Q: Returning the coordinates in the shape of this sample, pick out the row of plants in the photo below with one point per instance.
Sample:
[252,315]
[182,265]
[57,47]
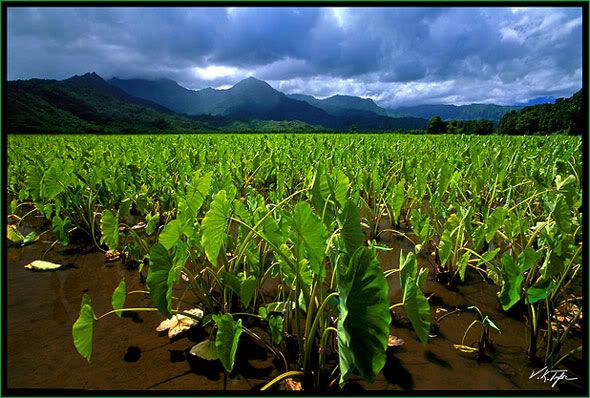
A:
[215,218]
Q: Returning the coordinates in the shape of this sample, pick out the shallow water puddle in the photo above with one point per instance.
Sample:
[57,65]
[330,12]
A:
[129,354]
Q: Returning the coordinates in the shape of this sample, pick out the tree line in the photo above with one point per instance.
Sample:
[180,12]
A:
[565,116]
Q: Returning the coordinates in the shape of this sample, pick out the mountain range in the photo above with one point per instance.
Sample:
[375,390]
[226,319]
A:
[88,103]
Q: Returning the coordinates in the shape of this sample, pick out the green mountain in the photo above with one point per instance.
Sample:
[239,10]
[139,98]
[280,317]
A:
[455,112]
[88,104]
[253,99]
[567,115]
[343,105]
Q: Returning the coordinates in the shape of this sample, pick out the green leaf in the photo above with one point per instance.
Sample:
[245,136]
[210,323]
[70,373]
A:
[118,299]
[398,198]
[463,265]
[205,349]
[83,329]
[488,256]
[214,226]
[157,279]
[51,186]
[422,276]
[561,214]
[152,223]
[408,268]
[350,224]
[512,279]
[247,290]
[60,229]
[232,281]
[275,324]
[417,309]
[539,291]
[226,340]
[196,192]
[568,188]
[493,222]
[420,225]
[364,317]
[109,229]
[263,312]
[309,233]
[445,247]
[30,238]
[171,234]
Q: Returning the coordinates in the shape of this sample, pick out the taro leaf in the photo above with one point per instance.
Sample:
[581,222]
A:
[40,265]
[567,188]
[561,214]
[422,276]
[83,328]
[35,176]
[488,321]
[512,278]
[275,324]
[262,312]
[420,225]
[478,237]
[196,192]
[231,281]
[552,265]
[226,340]
[539,291]
[341,183]
[272,232]
[206,350]
[463,265]
[488,256]
[408,268]
[214,226]
[320,191]
[152,223]
[527,259]
[444,178]
[171,234]
[309,233]
[181,255]
[444,248]
[60,229]
[247,290]
[157,279]
[398,198]
[364,317]
[109,229]
[51,186]
[350,224]
[493,222]
[118,299]
[30,238]
[417,309]
[14,235]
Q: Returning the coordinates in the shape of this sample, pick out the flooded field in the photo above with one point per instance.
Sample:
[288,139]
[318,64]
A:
[130,355]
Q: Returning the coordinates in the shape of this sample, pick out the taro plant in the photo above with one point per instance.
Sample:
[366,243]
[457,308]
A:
[485,323]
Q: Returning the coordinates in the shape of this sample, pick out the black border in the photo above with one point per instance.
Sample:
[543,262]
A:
[5,391]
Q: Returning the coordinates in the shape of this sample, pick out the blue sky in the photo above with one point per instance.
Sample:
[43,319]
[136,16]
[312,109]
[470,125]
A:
[396,56]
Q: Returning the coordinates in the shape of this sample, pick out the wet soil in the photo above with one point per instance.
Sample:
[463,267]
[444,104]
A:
[129,354]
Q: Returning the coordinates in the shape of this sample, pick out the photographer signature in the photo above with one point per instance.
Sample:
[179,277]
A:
[551,376]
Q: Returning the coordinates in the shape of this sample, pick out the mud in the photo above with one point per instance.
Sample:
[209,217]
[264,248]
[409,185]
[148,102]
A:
[129,354]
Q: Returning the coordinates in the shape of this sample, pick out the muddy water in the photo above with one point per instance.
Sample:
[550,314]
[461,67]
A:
[129,354]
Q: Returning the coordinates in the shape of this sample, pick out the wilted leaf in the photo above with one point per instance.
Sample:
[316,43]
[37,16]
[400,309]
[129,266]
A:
[179,323]
[41,265]
[205,349]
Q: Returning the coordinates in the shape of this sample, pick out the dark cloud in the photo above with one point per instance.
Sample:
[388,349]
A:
[394,55]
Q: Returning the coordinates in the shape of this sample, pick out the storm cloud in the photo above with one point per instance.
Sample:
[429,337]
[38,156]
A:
[397,56]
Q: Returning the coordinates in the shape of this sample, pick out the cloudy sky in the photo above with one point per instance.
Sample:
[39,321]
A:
[396,56]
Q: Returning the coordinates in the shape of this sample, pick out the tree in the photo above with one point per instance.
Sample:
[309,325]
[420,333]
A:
[436,126]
